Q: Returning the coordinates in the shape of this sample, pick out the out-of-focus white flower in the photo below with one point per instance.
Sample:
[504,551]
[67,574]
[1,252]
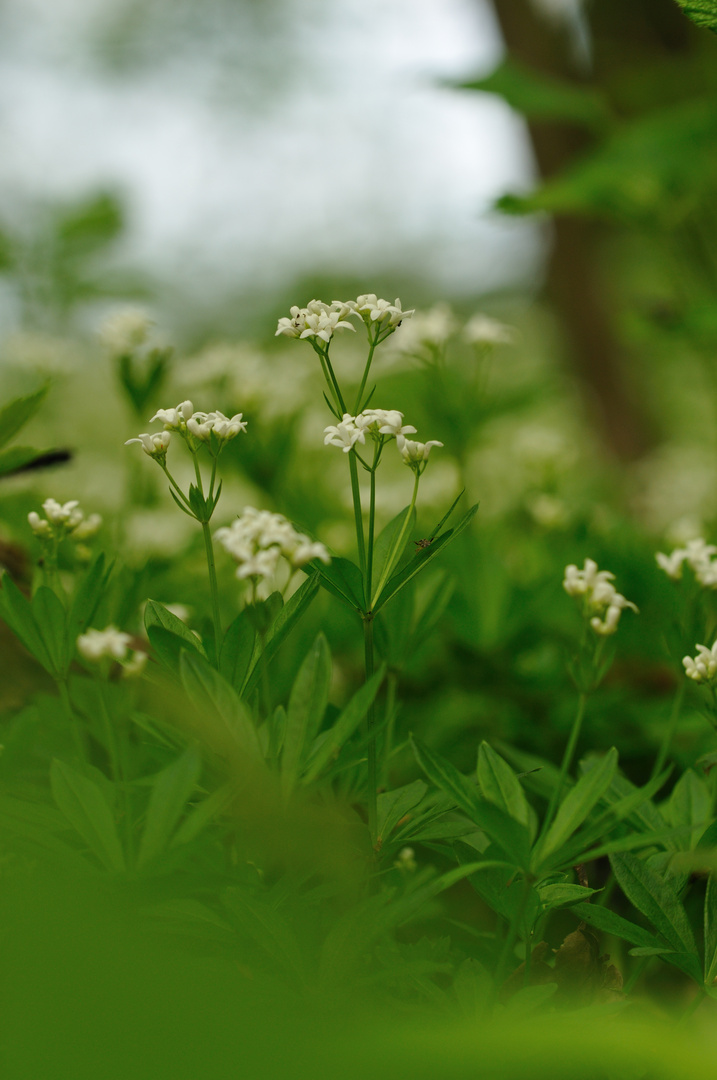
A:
[87,528]
[98,644]
[482,330]
[259,539]
[699,556]
[125,331]
[427,328]
[345,434]
[153,445]
[406,860]
[703,667]
[602,603]
[383,422]
[547,510]
[63,519]
[175,419]
[415,454]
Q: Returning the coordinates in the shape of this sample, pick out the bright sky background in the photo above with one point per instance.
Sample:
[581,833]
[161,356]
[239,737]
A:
[359,158]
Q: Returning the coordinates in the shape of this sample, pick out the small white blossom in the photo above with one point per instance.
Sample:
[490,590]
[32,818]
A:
[67,514]
[259,539]
[672,563]
[427,328]
[87,528]
[406,860]
[125,331]
[415,454]
[317,319]
[98,644]
[603,604]
[703,667]
[40,526]
[62,519]
[175,419]
[482,330]
[384,422]
[345,434]
[153,445]
[699,556]
[371,309]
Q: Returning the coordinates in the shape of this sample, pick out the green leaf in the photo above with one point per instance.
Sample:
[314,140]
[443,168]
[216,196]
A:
[17,458]
[85,600]
[386,556]
[421,559]
[51,620]
[156,614]
[511,836]
[282,626]
[307,704]
[604,919]
[541,97]
[711,930]
[655,899]
[209,693]
[563,895]
[392,806]
[690,804]
[702,12]
[237,650]
[342,579]
[578,803]
[343,727]
[83,803]
[170,791]
[501,786]
[201,815]
[16,610]
[16,414]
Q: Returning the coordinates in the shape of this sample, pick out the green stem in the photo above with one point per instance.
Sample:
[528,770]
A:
[72,719]
[398,546]
[362,387]
[371,527]
[213,589]
[358,514]
[370,731]
[692,1007]
[119,769]
[565,765]
[334,381]
[636,973]
[391,692]
[671,729]
[176,487]
[513,931]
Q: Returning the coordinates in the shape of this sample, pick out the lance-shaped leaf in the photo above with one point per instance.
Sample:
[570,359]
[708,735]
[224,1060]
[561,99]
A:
[343,727]
[386,553]
[283,624]
[702,12]
[237,650]
[392,807]
[656,900]
[209,692]
[51,620]
[16,414]
[307,704]
[86,599]
[511,836]
[711,931]
[578,803]
[500,785]
[17,612]
[170,791]
[420,560]
[342,579]
[83,803]
[156,615]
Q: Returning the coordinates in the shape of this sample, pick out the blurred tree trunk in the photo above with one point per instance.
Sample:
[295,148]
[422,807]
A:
[621,31]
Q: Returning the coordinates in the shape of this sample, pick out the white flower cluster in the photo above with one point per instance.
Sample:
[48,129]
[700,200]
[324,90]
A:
[433,328]
[63,519]
[703,667]
[125,331]
[699,556]
[603,604]
[377,422]
[183,420]
[482,330]
[258,539]
[112,644]
[321,320]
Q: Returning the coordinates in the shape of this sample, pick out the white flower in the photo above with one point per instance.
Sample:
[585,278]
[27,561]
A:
[153,445]
[384,422]
[703,667]
[227,427]
[698,555]
[259,539]
[200,425]
[323,324]
[40,526]
[672,563]
[317,319]
[602,603]
[98,644]
[345,434]
[66,514]
[415,454]
[87,528]
[305,551]
[432,327]
[125,331]
[482,330]
[371,309]
[175,419]
[406,860]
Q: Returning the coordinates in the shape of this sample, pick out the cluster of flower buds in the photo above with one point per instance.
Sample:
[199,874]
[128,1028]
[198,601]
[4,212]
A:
[703,667]
[125,331]
[699,556]
[379,424]
[258,539]
[320,320]
[111,644]
[187,423]
[63,519]
[602,604]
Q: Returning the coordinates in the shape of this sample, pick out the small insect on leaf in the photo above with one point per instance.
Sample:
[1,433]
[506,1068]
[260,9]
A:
[424,543]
